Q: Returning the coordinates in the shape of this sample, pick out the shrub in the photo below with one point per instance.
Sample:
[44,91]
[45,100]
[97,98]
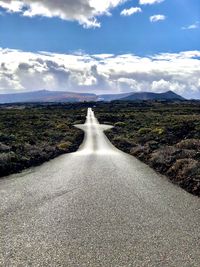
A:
[140,152]
[158,131]
[162,158]
[62,127]
[183,168]
[144,131]
[189,144]
[119,124]
[186,172]
[4,148]
[64,146]
[123,143]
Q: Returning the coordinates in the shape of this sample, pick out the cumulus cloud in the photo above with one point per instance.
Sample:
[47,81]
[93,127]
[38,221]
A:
[11,6]
[131,11]
[193,26]
[150,2]
[156,18]
[83,11]
[103,73]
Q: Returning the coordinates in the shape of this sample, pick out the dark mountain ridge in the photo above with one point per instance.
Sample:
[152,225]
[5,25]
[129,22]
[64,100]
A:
[169,95]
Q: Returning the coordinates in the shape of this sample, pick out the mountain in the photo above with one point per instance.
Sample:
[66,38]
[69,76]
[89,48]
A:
[46,96]
[169,95]
[60,96]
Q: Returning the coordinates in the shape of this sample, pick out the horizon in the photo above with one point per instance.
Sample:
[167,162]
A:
[76,92]
[56,47]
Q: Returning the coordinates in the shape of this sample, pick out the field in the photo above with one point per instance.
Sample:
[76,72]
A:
[32,134]
[166,136]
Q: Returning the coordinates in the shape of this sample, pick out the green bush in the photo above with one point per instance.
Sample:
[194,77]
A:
[158,131]
[64,146]
[144,131]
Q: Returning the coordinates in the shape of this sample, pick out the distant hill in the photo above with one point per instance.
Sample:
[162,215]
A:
[111,97]
[169,95]
[60,96]
[46,96]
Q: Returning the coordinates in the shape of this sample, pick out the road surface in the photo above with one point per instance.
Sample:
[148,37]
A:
[97,207]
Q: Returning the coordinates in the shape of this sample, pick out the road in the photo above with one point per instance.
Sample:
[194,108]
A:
[97,207]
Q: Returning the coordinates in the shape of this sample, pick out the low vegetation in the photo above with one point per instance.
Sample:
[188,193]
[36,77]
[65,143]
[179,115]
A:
[32,134]
[164,135]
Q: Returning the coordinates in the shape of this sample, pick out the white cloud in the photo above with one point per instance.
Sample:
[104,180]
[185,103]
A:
[194,26]
[103,73]
[131,11]
[15,6]
[83,11]
[150,2]
[156,18]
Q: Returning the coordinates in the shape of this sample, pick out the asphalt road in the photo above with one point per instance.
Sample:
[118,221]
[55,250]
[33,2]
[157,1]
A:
[97,207]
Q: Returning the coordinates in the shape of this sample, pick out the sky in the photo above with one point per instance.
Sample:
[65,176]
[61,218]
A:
[100,46]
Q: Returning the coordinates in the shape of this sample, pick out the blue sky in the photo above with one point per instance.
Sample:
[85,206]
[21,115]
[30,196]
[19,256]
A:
[137,30]
[117,34]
